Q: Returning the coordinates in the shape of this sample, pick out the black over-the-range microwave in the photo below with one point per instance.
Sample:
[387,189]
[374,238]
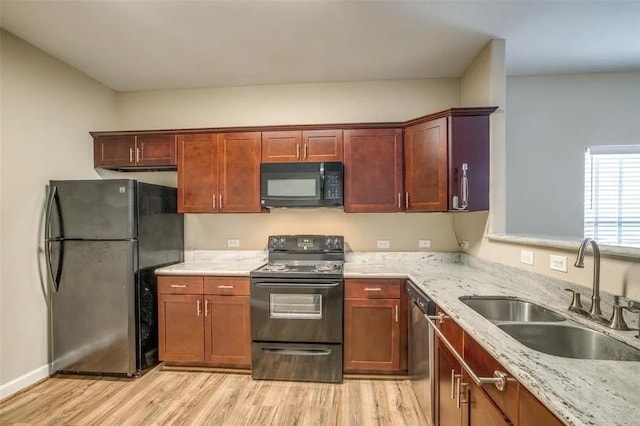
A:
[301,184]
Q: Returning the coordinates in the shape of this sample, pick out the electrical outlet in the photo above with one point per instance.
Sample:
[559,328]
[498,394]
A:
[384,244]
[233,243]
[424,243]
[558,263]
[526,257]
[464,244]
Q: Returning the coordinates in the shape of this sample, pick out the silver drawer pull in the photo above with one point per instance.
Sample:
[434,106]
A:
[372,289]
[178,286]
[499,378]
[225,286]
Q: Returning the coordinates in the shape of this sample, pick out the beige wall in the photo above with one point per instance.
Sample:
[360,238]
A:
[47,111]
[361,231]
[353,102]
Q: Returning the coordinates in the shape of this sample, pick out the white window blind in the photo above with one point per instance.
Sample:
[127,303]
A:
[612,194]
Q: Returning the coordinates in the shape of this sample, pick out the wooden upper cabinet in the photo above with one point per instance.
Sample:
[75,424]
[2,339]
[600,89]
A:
[114,151]
[373,171]
[297,146]
[425,158]
[156,150]
[281,147]
[219,173]
[135,151]
[322,145]
[198,173]
[239,172]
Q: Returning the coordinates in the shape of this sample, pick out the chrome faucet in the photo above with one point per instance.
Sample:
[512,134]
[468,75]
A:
[595,312]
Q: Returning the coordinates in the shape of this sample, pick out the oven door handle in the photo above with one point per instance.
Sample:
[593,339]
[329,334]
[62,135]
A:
[303,352]
[298,284]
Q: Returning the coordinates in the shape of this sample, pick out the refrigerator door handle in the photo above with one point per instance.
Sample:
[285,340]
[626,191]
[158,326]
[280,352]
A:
[53,192]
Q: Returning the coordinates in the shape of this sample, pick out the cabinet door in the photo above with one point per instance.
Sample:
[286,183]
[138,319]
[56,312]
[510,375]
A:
[109,151]
[532,413]
[227,331]
[322,145]
[449,371]
[197,173]
[481,409]
[180,327]
[281,147]
[239,179]
[373,171]
[371,335]
[425,156]
[156,150]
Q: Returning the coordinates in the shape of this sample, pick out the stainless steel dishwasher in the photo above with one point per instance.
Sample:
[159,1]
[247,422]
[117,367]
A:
[421,351]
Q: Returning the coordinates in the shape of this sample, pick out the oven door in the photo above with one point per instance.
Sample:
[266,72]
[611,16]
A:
[296,310]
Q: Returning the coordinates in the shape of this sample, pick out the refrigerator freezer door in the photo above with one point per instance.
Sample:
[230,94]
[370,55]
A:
[92,209]
[93,311]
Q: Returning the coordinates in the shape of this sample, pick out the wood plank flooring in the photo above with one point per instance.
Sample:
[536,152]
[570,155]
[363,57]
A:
[204,398]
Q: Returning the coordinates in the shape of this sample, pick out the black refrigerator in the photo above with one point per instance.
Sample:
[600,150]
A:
[103,241]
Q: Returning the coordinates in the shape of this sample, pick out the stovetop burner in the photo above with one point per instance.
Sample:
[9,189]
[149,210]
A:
[308,267]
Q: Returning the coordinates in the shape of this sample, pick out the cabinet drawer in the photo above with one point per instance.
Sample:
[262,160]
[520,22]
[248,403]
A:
[179,285]
[226,286]
[484,365]
[452,332]
[372,289]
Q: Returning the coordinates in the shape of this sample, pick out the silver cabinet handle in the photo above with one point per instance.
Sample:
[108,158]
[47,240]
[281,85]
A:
[372,289]
[220,199]
[213,198]
[198,307]
[459,389]
[453,381]
[178,286]
[206,307]
[499,378]
[137,155]
[131,155]
[305,152]
[298,151]
[406,200]
[399,201]
[225,286]
[396,313]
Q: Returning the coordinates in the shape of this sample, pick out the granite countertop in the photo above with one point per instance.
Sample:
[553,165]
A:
[580,392]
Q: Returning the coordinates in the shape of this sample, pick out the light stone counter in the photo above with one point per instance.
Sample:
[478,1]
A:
[580,392]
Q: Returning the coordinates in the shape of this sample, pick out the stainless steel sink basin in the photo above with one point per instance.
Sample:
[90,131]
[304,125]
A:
[570,342]
[500,309]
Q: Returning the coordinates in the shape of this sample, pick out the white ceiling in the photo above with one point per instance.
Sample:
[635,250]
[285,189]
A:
[144,45]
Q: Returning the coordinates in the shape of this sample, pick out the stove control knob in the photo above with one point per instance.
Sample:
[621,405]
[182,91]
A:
[282,242]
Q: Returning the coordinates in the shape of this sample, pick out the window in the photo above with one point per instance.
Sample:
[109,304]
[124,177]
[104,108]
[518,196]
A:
[612,194]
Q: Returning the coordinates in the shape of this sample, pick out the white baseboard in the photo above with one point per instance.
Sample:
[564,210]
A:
[23,381]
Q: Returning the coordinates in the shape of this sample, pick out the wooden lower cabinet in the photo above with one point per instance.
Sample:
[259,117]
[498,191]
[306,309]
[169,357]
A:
[209,327]
[375,326]
[459,401]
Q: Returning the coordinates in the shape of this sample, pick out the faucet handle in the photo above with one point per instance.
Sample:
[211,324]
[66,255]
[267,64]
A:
[617,319]
[576,305]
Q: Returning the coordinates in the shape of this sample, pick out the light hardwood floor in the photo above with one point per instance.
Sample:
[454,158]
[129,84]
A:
[204,398]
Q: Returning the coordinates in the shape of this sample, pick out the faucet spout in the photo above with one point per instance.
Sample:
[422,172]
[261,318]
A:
[595,311]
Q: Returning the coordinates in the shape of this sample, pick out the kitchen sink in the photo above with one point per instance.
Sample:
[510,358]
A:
[570,342]
[499,309]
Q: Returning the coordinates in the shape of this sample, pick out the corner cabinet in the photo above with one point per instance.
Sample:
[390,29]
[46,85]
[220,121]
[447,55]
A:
[204,321]
[446,158]
[375,326]
[219,172]
[135,152]
[373,171]
[460,401]
[302,146]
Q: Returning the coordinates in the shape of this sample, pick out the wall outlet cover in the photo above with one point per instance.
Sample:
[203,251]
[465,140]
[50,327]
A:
[558,263]
[424,243]
[383,244]
[526,257]
[233,243]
